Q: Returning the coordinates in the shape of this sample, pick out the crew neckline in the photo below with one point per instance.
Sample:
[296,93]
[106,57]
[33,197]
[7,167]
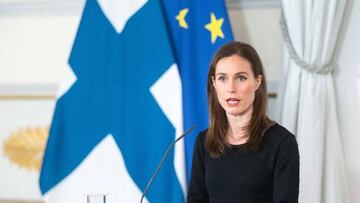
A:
[234,146]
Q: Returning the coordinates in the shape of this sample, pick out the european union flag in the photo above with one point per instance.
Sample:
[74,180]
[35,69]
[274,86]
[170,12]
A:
[119,109]
[198,29]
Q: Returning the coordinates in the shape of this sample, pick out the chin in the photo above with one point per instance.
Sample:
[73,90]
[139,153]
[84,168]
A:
[234,112]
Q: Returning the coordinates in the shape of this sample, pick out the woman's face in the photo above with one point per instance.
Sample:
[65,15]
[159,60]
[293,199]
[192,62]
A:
[235,84]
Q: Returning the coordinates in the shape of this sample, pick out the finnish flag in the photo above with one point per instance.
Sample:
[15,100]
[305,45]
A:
[118,108]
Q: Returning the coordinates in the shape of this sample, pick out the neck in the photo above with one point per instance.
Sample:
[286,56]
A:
[237,125]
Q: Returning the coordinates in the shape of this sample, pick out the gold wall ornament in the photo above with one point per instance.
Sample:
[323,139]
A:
[25,147]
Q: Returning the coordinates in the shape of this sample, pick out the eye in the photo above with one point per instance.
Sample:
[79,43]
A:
[241,78]
[221,78]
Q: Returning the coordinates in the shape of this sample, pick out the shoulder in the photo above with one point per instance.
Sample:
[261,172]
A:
[199,146]
[201,137]
[278,133]
[279,130]
[279,137]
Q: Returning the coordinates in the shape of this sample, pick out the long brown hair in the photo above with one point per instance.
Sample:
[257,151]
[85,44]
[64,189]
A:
[215,137]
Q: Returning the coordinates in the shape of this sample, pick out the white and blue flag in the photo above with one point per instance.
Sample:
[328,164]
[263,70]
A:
[118,109]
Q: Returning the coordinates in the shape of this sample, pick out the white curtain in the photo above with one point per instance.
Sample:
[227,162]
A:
[307,100]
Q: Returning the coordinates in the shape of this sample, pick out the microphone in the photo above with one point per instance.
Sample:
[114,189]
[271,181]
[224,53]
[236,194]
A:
[162,160]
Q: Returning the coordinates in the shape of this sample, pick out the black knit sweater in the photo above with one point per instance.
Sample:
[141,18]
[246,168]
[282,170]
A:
[271,174]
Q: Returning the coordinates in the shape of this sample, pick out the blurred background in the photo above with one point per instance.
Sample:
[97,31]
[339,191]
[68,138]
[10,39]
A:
[36,37]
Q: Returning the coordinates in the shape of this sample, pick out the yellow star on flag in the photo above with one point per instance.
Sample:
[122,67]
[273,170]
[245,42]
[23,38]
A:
[181,18]
[215,27]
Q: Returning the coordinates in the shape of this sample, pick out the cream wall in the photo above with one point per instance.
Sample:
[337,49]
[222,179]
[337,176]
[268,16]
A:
[35,42]
[35,49]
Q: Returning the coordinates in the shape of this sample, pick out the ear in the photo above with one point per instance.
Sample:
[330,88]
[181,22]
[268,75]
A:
[258,81]
[213,81]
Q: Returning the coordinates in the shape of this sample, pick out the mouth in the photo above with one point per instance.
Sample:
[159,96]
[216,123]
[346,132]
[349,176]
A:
[232,101]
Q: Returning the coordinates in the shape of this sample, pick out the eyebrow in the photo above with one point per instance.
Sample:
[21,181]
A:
[239,73]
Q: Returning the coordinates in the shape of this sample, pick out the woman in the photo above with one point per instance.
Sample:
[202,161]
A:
[243,156]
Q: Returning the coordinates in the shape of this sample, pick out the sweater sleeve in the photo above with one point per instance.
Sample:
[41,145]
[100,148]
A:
[197,190]
[286,173]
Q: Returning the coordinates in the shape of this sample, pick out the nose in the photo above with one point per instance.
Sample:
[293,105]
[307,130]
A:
[231,87]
